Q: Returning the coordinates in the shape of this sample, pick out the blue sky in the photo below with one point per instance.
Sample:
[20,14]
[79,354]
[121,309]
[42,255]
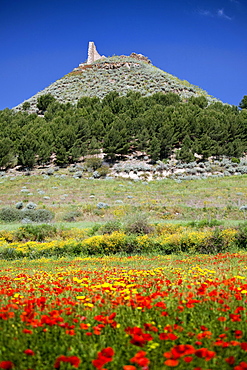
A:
[201,41]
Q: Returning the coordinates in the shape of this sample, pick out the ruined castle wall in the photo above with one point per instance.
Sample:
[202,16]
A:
[93,55]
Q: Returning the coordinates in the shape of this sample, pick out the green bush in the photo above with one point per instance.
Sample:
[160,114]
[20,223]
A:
[241,237]
[35,232]
[37,215]
[213,244]
[10,254]
[44,101]
[110,226]
[94,230]
[138,224]
[93,162]
[71,216]
[8,214]
[103,171]
[26,105]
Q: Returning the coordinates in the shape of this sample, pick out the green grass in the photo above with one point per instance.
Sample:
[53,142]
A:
[166,200]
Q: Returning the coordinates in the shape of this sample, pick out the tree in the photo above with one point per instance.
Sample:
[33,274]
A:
[26,151]
[44,101]
[26,105]
[185,153]
[93,146]
[243,103]
[7,152]
[205,146]
[200,101]
[166,99]
[154,149]
[116,140]
[143,140]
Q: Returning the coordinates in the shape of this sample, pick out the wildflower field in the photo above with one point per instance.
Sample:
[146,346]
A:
[128,313]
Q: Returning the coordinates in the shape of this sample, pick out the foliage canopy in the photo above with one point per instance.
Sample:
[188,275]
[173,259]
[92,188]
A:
[155,125]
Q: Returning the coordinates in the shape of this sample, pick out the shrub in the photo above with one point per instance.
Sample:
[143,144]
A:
[93,162]
[44,101]
[37,215]
[26,105]
[94,230]
[31,205]
[71,216]
[19,205]
[138,224]
[101,205]
[96,175]
[8,214]
[110,226]
[35,232]
[235,160]
[241,236]
[213,244]
[103,171]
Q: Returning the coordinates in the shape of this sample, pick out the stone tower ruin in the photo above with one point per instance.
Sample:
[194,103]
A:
[93,55]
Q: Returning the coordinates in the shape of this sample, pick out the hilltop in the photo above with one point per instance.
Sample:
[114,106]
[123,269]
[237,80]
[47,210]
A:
[101,75]
[120,107]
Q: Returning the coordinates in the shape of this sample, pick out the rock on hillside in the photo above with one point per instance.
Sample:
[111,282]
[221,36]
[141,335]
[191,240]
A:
[118,73]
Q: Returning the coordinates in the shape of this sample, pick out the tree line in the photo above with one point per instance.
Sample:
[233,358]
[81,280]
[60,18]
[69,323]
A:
[155,125]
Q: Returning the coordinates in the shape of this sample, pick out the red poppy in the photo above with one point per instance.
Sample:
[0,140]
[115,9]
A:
[205,353]
[29,352]
[171,363]
[139,338]
[238,334]
[107,352]
[103,357]
[27,331]
[73,360]
[241,366]
[140,359]
[188,359]
[244,346]
[235,318]
[6,365]
[168,336]
[230,360]
[182,350]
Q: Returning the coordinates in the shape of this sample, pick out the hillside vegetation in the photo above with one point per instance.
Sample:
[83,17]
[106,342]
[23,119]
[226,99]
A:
[156,125]
[119,73]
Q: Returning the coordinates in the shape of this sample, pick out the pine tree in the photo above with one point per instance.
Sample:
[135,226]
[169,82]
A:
[154,149]
[185,153]
[243,103]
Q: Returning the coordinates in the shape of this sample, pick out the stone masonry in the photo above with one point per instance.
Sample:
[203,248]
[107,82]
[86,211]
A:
[93,55]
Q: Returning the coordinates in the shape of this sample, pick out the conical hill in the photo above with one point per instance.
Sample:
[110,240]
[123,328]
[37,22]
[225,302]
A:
[117,73]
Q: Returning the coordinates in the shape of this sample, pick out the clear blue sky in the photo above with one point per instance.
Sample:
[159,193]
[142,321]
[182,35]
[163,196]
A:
[201,41]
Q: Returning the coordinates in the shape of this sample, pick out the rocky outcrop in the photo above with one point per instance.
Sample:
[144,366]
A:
[140,57]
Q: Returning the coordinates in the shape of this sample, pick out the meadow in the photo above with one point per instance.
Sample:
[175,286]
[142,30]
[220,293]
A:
[90,201]
[130,313]
[105,287]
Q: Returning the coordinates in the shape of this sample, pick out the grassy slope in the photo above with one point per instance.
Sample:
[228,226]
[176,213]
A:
[163,200]
[99,81]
